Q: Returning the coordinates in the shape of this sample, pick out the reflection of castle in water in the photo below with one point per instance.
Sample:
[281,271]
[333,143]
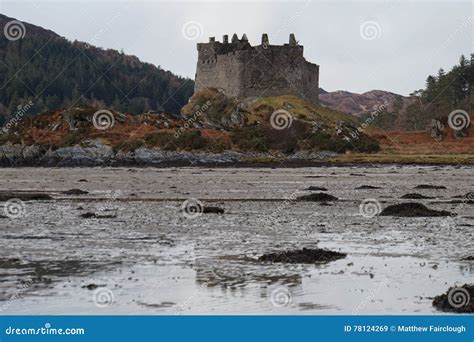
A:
[233,274]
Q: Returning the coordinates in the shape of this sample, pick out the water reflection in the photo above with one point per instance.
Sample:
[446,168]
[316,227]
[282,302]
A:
[228,274]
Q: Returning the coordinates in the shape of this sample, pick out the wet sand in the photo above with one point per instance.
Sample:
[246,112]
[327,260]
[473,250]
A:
[151,258]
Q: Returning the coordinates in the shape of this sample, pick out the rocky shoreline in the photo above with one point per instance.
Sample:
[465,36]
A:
[98,154]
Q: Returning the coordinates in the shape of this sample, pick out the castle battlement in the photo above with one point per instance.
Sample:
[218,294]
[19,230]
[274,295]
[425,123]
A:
[243,70]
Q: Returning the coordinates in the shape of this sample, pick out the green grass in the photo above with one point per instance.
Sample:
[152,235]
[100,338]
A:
[305,110]
[188,140]
[443,159]
[129,145]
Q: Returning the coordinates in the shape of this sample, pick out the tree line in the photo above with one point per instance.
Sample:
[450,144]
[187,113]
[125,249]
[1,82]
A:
[442,94]
[55,73]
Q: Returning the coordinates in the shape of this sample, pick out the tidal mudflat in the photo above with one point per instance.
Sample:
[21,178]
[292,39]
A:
[124,244]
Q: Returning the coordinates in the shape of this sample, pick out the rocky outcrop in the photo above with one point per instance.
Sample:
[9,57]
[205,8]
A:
[436,129]
[347,131]
[98,154]
[439,128]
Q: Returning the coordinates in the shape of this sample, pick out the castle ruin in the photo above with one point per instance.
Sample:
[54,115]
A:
[242,70]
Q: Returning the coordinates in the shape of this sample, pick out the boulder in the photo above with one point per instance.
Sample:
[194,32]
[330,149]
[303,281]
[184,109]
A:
[212,210]
[75,192]
[429,186]
[317,197]
[412,210]
[316,188]
[415,196]
[456,299]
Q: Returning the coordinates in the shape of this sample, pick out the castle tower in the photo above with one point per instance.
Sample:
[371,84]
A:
[292,40]
[242,70]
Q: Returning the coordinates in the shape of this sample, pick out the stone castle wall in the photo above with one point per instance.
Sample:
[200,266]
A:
[242,70]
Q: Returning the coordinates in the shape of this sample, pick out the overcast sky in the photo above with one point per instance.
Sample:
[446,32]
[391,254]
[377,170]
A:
[359,45]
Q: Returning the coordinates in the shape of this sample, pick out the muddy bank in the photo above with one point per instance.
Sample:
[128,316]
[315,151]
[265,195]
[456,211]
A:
[367,187]
[90,215]
[169,258]
[303,256]
[467,196]
[412,210]
[316,188]
[317,197]
[24,196]
[75,192]
[430,187]
[456,299]
[415,196]
[212,210]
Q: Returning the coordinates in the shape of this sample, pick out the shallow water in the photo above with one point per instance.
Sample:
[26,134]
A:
[153,259]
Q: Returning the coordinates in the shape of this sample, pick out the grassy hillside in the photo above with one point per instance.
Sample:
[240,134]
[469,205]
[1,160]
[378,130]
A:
[210,121]
[284,123]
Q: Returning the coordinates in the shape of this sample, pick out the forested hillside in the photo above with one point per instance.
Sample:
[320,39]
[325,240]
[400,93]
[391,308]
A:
[52,73]
[443,93]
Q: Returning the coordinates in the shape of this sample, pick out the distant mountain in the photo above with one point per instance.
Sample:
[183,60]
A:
[52,72]
[361,104]
[445,92]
